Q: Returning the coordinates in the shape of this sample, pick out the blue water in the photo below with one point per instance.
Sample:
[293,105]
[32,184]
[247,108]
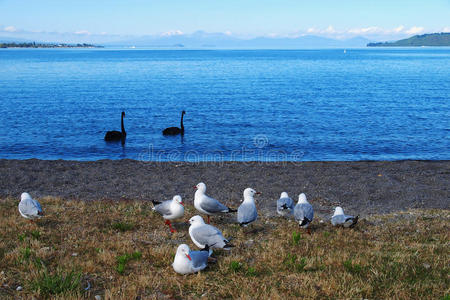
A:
[365,104]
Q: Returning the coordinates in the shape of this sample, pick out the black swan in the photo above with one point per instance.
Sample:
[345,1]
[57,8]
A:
[115,136]
[175,130]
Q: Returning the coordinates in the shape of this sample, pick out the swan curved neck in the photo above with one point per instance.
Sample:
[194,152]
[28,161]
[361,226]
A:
[181,122]
[123,127]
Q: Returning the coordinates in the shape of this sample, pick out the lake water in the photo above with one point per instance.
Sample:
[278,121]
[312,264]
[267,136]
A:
[365,104]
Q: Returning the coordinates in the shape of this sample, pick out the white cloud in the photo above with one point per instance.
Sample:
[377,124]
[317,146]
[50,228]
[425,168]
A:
[399,28]
[172,33]
[330,29]
[10,29]
[228,33]
[445,29]
[415,30]
[82,32]
[366,30]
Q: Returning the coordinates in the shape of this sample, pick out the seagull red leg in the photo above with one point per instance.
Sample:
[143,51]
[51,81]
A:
[170,226]
[208,219]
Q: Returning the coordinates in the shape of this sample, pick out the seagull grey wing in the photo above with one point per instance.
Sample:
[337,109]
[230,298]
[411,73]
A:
[208,235]
[28,208]
[38,205]
[199,258]
[284,204]
[299,213]
[163,208]
[246,213]
[309,211]
[212,205]
[338,219]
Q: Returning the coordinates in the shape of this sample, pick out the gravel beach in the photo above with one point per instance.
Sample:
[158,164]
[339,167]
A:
[366,187]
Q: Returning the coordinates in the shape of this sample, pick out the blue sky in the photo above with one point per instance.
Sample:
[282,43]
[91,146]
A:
[245,18]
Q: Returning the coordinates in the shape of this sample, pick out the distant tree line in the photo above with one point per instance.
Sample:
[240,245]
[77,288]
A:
[430,39]
[46,45]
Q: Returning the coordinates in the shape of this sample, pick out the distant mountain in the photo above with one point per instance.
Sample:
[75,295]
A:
[4,39]
[201,39]
[431,39]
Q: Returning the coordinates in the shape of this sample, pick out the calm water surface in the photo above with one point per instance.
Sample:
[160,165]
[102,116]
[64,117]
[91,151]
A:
[365,104]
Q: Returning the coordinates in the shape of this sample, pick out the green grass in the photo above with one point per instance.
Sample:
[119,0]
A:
[57,283]
[123,259]
[122,226]
[402,256]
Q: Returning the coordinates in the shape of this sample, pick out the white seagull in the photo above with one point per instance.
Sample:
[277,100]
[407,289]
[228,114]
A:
[206,204]
[247,213]
[204,234]
[188,262]
[285,205]
[30,208]
[303,211]
[339,218]
[170,209]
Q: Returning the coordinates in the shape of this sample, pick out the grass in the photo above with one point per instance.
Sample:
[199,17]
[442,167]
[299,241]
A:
[125,258]
[402,256]
[46,284]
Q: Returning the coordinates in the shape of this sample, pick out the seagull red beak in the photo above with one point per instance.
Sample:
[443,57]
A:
[258,193]
[195,187]
[188,256]
[182,203]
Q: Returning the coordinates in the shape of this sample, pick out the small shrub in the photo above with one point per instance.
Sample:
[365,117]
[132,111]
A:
[235,266]
[326,234]
[352,268]
[296,237]
[125,258]
[251,271]
[21,237]
[123,226]
[58,283]
[26,253]
[35,234]
[291,262]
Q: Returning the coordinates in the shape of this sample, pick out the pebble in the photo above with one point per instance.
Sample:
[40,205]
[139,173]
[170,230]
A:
[426,266]
[98,297]
[19,288]
[74,254]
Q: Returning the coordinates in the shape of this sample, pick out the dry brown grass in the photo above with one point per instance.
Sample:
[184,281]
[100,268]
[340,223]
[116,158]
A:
[407,257]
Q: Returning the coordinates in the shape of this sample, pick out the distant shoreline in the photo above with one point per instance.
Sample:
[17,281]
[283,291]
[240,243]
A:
[44,45]
[364,187]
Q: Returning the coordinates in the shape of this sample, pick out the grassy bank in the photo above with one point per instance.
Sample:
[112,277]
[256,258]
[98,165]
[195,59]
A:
[121,250]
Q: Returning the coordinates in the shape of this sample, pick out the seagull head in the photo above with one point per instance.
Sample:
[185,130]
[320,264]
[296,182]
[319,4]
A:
[338,211]
[177,198]
[183,249]
[196,220]
[249,193]
[25,196]
[284,195]
[200,187]
[302,198]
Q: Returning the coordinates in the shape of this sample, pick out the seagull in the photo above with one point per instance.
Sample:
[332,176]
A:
[170,209]
[339,218]
[206,204]
[247,213]
[204,234]
[303,212]
[285,205]
[30,208]
[188,262]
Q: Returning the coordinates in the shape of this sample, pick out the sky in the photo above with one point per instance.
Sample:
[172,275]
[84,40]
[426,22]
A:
[385,19]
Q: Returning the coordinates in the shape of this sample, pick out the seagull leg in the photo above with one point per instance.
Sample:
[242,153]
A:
[208,219]
[170,226]
[308,231]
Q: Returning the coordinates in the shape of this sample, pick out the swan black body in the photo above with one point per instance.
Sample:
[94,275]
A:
[115,136]
[175,130]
